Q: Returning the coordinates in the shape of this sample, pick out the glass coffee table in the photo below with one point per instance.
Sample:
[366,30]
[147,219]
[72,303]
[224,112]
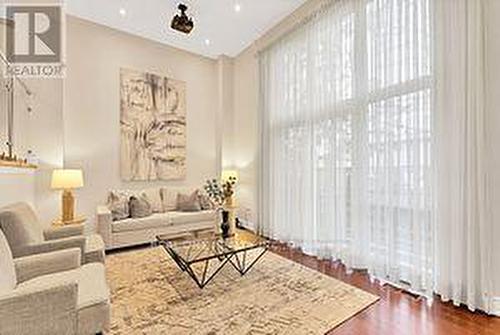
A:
[203,258]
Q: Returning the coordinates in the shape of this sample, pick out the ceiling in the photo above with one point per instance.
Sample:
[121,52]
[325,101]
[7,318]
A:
[220,29]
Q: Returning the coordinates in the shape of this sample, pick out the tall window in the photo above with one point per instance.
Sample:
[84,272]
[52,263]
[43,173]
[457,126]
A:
[346,142]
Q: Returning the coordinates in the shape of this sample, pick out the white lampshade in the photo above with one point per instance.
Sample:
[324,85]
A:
[67,179]
[226,174]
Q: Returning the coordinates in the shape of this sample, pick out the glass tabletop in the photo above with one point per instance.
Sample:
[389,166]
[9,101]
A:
[201,249]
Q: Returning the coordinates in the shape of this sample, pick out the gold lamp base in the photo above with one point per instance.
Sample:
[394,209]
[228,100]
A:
[67,180]
[68,206]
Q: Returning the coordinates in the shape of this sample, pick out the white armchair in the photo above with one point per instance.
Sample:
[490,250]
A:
[52,293]
[26,237]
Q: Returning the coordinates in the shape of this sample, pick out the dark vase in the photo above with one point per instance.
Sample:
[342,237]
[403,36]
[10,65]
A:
[225,224]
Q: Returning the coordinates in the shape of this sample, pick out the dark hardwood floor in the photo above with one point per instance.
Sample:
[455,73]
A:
[397,312]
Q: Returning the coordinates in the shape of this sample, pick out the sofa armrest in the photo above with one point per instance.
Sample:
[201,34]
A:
[49,246]
[42,264]
[55,233]
[47,309]
[104,221]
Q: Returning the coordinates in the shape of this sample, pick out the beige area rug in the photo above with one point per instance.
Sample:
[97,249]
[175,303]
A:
[150,295]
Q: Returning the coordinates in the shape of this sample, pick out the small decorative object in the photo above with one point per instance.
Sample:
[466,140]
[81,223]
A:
[220,193]
[31,158]
[15,162]
[67,180]
[181,22]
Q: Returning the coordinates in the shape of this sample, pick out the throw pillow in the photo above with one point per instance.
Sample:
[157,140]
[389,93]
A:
[139,207]
[118,204]
[169,199]
[188,203]
[20,225]
[153,197]
[8,280]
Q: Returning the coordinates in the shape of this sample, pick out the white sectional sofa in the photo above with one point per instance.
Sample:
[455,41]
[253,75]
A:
[136,231]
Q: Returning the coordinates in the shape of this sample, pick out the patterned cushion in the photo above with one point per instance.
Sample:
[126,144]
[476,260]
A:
[140,207]
[8,278]
[188,203]
[169,196]
[20,225]
[169,199]
[118,204]
[154,198]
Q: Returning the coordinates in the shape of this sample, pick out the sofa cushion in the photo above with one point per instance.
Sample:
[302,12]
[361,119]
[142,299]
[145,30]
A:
[91,279]
[118,204]
[169,196]
[8,278]
[154,198]
[139,207]
[169,199]
[177,218]
[152,221]
[188,202]
[20,225]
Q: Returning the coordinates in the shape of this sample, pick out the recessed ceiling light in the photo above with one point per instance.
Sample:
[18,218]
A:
[207,41]
[123,11]
[237,8]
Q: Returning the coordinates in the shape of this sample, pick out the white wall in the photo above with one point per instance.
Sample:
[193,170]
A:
[225,67]
[245,134]
[40,132]
[46,140]
[91,112]
[16,185]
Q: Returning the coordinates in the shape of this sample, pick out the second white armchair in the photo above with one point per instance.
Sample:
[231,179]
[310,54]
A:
[26,236]
[52,293]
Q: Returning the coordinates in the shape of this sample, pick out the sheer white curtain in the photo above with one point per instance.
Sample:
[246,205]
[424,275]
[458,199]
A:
[464,230]
[346,110]
[307,83]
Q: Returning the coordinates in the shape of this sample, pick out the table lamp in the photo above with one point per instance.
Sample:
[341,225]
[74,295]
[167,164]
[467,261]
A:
[226,176]
[67,180]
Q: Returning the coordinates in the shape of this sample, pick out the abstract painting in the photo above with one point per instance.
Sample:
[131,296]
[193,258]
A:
[152,126]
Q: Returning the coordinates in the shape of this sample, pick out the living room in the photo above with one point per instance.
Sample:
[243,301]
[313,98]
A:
[249,167]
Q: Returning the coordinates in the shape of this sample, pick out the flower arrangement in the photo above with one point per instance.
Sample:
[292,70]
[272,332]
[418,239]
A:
[220,192]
